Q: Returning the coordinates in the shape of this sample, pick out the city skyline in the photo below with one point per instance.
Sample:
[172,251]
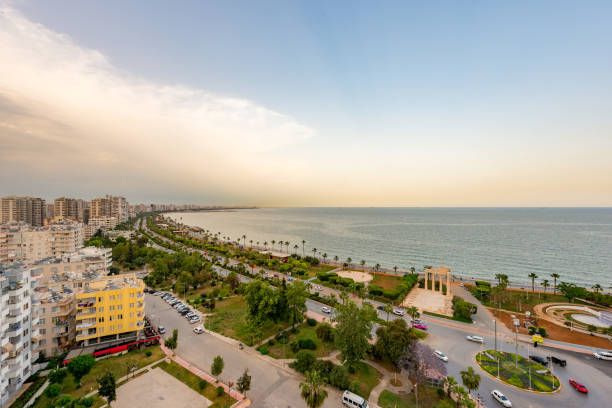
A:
[307,104]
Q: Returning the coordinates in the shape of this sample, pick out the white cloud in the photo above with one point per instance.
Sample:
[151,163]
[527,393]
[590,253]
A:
[63,106]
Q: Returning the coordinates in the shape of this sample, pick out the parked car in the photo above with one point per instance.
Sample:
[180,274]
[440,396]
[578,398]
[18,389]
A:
[418,321]
[161,329]
[157,293]
[198,330]
[194,319]
[419,326]
[380,307]
[501,398]
[318,287]
[326,309]
[398,312]
[441,355]
[477,339]
[558,361]
[184,312]
[539,360]
[603,355]
[191,314]
[579,387]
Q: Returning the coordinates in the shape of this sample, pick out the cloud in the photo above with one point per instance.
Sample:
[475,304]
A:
[64,107]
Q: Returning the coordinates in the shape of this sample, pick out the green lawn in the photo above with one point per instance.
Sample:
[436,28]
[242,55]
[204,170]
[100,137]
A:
[304,332]
[518,376]
[116,365]
[229,319]
[428,397]
[388,282]
[193,382]
[458,319]
[522,300]
[367,376]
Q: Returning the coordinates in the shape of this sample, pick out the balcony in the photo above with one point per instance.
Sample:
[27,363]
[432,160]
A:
[83,324]
[87,303]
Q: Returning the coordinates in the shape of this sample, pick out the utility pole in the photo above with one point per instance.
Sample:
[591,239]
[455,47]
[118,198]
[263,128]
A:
[495,321]
[515,347]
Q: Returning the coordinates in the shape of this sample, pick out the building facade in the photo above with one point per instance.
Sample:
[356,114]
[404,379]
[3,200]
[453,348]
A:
[65,209]
[26,209]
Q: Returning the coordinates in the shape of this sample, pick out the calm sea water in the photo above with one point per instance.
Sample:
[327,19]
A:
[576,243]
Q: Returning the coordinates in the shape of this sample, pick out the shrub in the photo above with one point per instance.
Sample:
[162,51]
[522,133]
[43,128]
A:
[542,331]
[323,367]
[531,329]
[294,346]
[271,342]
[354,387]
[441,393]
[57,376]
[307,344]
[375,290]
[202,384]
[338,377]
[220,391]
[53,390]
[263,350]
[148,353]
[86,401]
[311,322]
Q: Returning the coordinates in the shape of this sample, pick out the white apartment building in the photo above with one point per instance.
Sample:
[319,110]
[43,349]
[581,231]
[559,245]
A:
[18,332]
[27,244]
[109,206]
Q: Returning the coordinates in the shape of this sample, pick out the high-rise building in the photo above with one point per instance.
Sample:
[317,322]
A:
[27,209]
[119,209]
[100,207]
[19,334]
[65,209]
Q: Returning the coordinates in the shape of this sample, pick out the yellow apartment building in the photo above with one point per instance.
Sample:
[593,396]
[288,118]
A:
[109,309]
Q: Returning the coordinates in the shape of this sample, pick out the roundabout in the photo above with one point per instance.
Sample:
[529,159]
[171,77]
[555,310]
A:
[518,371]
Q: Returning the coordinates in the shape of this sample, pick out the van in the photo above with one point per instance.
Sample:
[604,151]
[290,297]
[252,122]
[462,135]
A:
[558,360]
[353,400]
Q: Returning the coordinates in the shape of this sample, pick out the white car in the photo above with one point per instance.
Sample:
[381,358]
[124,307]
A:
[161,329]
[198,330]
[194,320]
[398,312]
[441,355]
[501,398]
[477,339]
[603,355]
[326,309]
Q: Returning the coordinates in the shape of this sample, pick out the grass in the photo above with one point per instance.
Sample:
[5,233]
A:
[304,332]
[387,282]
[229,319]
[193,381]
[457,319]
[367,376]
[428,397]
[320,268]
[116,365]
[523,298]
[518,376]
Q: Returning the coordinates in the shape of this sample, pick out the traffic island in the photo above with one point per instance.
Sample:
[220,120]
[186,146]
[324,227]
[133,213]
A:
[518,371]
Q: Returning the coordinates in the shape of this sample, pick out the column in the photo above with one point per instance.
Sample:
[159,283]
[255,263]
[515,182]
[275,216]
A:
[426,273]
[440,283]
[448,291]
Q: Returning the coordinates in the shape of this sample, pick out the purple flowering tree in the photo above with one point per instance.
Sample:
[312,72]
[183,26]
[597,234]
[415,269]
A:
[420,363]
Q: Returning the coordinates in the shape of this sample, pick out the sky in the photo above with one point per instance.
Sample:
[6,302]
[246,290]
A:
[308,103]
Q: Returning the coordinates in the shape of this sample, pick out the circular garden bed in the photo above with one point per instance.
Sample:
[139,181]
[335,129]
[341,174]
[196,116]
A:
[541,380]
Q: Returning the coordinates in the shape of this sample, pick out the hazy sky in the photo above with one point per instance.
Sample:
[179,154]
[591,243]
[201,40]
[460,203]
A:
[308,102]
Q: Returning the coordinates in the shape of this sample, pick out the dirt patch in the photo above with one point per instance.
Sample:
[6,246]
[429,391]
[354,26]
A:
[356,276]
[556,332]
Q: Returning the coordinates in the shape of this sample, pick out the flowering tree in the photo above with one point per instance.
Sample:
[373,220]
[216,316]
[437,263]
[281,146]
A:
[420,363]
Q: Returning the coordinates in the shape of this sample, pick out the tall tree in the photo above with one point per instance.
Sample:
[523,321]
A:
[313,391]
[363,262]
[80,366]
[533,277]
[449,383]
[107,387]
[216,367]
[353,330]
[555,276]
[244,382]
[388,309]
[419,361]
[392,340]
[296,302]
[470,379]
[303,243]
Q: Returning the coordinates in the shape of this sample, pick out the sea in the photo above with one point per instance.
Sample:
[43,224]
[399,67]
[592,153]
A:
[476,243]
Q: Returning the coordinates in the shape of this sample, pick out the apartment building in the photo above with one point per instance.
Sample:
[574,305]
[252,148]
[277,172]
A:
[18,332]
[119,209]
[27,244]
[67,209]
[100,207]
[26,209]
[56,323]
[110,309]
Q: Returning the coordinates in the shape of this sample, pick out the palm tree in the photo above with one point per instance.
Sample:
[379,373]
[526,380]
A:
[295,248]
[266,244]
[555,276]
[388,309]
[314,252]
[336,258]
[413,312]
[325,257]
[412,269]
[243,240]
[545,284]
[470,379]
[395,269]
[449,382]
[377,267]
[597,287]
[251,242]
[312,389]
[498,277]
[273,242]
[349,260]
[287,245]
[533,277]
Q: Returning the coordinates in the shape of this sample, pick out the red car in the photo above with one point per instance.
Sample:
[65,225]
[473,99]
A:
[419,326]
[578,386]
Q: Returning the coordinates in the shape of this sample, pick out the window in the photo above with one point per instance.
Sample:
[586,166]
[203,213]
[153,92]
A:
[131,315]
[131,324]
[54,269]
[41,321]
[100,309]
[119,307]
[101,320]
[132,294]
[111,308]
[100,299]
[119,316]
[131,305]
[111,318]
[43,342]
[119,297]
[119,327]
[112,297]
[55,309]
[112,327]
[67,267]
[43,331]
[42,311]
